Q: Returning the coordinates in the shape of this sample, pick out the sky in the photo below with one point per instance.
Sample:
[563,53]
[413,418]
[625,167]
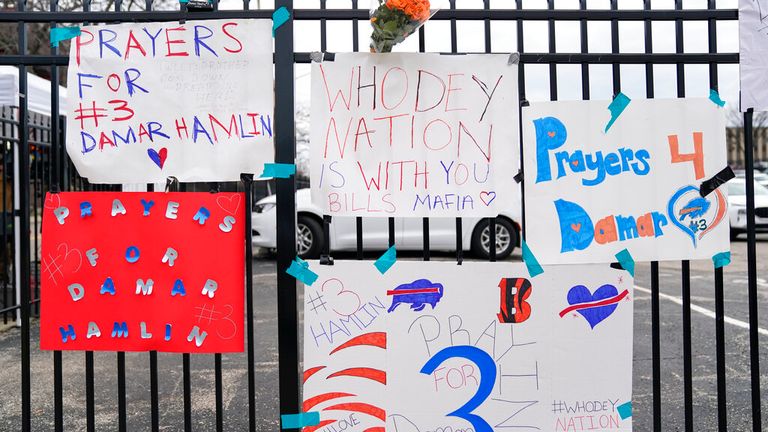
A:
[504,40]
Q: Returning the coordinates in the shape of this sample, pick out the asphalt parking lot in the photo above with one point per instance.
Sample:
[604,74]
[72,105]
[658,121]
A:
[235,372]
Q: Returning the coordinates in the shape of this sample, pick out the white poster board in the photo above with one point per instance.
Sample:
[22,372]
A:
[753,54]
[591,194]
[558,362]
[153,100]
[414,135]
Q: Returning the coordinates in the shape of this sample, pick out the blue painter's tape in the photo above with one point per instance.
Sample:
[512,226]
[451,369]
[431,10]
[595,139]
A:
[715,97]
[387,260]
[534,268]
[721,259]
[625,410]
[300,270]
[626,261]
[59,34]
[300,420]
[278,170]
[617,107]
[280,17]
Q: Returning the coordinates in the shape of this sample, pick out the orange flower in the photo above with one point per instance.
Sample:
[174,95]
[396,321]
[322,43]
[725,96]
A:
[417,10]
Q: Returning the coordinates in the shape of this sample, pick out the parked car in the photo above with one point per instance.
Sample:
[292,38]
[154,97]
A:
[737,207]
[760,177]
[408,231]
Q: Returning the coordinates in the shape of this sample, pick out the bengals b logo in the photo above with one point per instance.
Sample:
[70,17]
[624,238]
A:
[514,293]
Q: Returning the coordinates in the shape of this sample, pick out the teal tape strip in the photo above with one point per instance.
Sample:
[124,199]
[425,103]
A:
[534,268]
[59,34]
[625,410]
[626,261]
[280,17]
[721,259]
[300,270]
[387,260]
[300,420]
[617,107]
[278,170]
[715,97]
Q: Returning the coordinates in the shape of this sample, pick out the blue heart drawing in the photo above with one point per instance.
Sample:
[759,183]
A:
[594,315]
[158,157]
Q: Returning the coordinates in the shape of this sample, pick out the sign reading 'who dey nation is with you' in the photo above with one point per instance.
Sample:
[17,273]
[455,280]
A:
[143,271]
[415,135]
[152,100]
[591,194]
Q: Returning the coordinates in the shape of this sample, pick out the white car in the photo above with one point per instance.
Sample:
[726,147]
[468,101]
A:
[408,231]
[737,207]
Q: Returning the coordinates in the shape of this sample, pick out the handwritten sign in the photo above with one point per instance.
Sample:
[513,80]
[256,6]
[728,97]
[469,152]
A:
[482,346]
[152,100]
[590,194]
[753,54]
[143,271]
[414,135]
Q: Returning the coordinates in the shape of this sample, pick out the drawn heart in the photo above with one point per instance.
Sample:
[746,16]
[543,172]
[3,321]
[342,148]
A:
[551,134]
[575,163]
[594,315]
[576,227]
[52,201]
[158,157]
[695,215]
[487,197]
[229,204]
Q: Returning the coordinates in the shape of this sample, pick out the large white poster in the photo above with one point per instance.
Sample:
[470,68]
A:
[153,100]
[415,135]
[753,54]
[479,347]
[590,194]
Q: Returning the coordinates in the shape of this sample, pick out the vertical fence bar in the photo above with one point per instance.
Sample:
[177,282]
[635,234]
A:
[285,152]
[722,409]
[219,393]
[24,270]
[186,372]
[655,311]
[56,183]
[90,415]
[686,270]
[154,399]
[754,342]
[122,424]
[247,180]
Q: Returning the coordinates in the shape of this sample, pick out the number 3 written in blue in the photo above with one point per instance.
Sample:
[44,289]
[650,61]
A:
[487,369]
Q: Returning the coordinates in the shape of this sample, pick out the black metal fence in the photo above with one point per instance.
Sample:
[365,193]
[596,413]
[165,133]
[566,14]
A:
[41,167]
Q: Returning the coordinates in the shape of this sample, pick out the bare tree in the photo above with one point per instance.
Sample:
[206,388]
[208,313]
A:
[38,34]
[735,134]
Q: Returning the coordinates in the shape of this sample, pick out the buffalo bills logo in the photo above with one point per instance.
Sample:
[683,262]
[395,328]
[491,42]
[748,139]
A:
[695,215]
[418,294]
[513,304]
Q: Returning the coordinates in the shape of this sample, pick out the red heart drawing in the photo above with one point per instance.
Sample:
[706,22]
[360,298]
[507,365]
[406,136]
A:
[551,134]
[487,197]
[158,157]
[229,204]
[575,163]
[52,201]
[576,227]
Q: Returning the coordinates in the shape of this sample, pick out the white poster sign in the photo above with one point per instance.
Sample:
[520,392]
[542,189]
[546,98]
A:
[753,54]
[479,347]
[414,135]
[153,100]
[590,194]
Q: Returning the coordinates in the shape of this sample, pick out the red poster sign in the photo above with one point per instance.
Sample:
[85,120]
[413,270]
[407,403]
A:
[124,271]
